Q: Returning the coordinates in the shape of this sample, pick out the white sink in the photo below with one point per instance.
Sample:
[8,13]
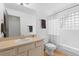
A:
[23,41]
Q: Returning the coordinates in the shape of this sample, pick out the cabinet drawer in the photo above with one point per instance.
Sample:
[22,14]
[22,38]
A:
[26,47]
[11,52]
[39,51]
[39,43]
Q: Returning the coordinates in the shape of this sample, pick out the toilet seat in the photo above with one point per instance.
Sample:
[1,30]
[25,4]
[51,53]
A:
[50,46]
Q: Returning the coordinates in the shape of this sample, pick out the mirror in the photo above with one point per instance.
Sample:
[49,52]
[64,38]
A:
[11,26]
[18,24]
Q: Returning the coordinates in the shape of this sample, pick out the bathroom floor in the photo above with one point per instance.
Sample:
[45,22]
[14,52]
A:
[56,53]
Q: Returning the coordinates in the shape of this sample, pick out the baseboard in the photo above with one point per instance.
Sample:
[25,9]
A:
[68,50]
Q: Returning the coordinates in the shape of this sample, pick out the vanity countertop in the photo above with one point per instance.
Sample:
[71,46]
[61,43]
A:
[7,44]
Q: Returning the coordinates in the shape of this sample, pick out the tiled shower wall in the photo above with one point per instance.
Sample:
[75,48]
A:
[67,28]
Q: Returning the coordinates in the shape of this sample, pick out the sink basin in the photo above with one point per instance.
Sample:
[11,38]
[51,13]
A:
[23,41]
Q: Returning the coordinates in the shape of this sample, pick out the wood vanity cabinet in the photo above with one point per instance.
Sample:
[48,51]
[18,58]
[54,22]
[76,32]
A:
[39,43]
[35,48]
[36,51]
[23,50]
[10,52]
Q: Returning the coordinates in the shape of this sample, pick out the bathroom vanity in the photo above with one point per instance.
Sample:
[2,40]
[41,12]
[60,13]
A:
[28,46]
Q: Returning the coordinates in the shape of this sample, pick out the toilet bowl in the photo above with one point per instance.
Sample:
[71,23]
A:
[50,48]
[49,45]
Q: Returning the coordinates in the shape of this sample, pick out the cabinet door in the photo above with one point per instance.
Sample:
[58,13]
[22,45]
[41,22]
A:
[11,52]
[26,47]
[39,51]
[23,54]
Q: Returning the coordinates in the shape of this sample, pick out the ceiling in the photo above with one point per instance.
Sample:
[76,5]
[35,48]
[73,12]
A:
[19,8]
[45,9]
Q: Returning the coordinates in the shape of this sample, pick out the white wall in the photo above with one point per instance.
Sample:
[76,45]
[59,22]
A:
[1,17]
[25,20]
[42,33]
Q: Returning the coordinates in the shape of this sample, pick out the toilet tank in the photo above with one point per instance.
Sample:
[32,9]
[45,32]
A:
[53,39]
[45,39]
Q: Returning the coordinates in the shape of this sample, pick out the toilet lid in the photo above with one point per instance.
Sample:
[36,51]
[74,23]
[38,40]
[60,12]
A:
[50,45]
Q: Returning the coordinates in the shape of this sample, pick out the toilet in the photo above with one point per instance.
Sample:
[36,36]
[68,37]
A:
[49,47]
